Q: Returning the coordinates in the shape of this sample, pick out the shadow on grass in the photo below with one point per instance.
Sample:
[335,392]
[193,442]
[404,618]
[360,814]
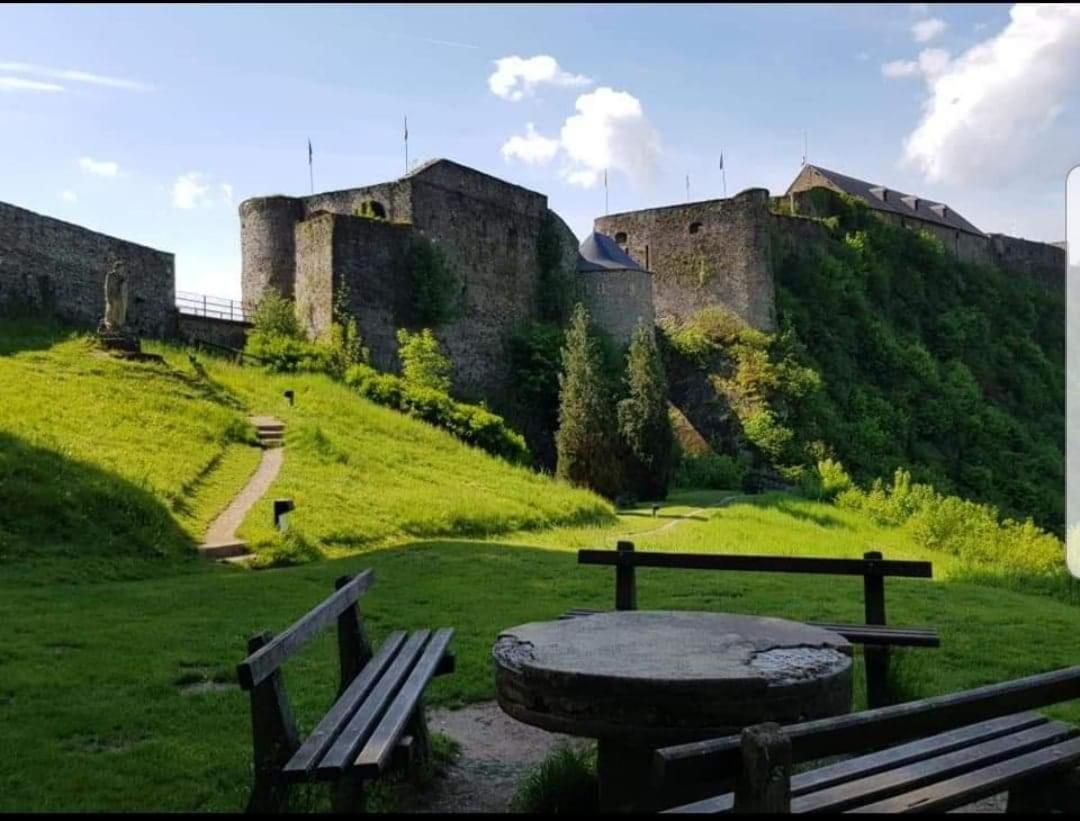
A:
[28,333]
[56,513]
[783,504]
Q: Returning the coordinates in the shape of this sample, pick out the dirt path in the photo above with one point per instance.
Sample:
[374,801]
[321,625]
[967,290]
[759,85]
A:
[685,517]
[223,529]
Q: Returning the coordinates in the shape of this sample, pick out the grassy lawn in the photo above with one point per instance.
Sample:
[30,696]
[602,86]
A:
[116,683]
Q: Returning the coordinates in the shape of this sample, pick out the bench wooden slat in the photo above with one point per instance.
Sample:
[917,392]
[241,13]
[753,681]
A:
[972,786]
[762,564]
[699,761]
[379,747]
[341,754]
[879,635]
[305,759]
[253,670]
[844,771]
[932,770]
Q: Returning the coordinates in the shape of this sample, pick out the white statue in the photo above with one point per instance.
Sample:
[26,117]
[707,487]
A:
[116,298]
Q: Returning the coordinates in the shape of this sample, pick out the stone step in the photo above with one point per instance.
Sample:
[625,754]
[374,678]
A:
[224,550]
[244,559]
[276,435]
[267,428]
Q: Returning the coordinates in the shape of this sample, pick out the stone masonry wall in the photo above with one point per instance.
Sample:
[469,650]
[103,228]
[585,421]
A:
[618,300]
[702,254]
[59,268]
[1043,262]
[228,332]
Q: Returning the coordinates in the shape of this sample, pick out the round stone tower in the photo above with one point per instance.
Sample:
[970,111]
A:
[267,247]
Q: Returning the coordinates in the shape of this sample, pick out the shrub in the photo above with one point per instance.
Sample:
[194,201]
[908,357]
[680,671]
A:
[471,424]
[436,288]
[422,360]
[715,471]
[826,481]
[565,782]
[275,316]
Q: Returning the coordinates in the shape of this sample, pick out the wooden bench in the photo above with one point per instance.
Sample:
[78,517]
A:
[376,722]
[875,636]
[933,755]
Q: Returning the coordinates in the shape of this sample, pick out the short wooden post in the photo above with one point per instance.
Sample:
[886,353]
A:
[625,582]
[764,780]
[274,738]
[876,659]
[354,649]
[282,508]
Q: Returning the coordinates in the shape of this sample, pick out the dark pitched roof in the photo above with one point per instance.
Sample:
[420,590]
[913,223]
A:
[897,202]
[600,252]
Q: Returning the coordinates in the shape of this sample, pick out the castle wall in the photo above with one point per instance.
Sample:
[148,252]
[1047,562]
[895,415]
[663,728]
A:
[314,288]
[1043,262]
[228,332]
[267,247]
[55,267]
[393,197]
[488,230]
[704,253]
[618,300]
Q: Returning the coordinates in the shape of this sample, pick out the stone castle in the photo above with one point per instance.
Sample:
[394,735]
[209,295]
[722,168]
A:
[353,248]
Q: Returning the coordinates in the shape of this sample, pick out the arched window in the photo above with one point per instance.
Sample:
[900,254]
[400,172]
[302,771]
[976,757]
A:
[695,227]
[621,238]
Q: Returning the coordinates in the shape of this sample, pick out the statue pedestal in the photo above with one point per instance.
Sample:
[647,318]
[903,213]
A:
[118,341]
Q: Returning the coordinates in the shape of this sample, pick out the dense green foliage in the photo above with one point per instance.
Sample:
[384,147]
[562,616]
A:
[278,341]
[644,424]
[714,470]
[437,290]
[423,363]
[586,442]
[472,424]
[557,286]
[954,372]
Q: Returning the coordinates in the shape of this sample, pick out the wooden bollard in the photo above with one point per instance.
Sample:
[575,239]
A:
[282,508]
[763,783]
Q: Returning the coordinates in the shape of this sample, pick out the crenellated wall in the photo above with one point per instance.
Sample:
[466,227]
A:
[54,267]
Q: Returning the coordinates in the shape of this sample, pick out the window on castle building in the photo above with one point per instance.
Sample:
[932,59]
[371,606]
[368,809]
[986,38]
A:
[371,209]
[620,237]
[695,227]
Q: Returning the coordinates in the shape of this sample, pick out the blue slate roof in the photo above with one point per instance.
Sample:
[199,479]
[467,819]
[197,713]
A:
[600,252]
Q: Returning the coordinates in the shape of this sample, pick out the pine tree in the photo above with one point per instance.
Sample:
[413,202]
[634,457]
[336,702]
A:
[585,442]
[644,424]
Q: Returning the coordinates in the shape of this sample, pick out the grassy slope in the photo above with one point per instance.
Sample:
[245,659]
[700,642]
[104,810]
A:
[92,696]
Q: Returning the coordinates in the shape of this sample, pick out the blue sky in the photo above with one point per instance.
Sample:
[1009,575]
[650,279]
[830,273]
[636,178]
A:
[153,123]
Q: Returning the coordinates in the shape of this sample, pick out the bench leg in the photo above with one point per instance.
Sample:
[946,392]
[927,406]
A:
[418,729]
[348,795]
[268,795]
[1060,793]
[876,663]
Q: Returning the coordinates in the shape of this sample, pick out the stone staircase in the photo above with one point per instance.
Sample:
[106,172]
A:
[221,543]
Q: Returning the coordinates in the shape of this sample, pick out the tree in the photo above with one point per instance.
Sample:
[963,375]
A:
[585,443]
[422,361]
[644,424]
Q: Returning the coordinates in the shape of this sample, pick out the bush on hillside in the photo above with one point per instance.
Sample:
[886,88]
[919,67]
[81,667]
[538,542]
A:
[471,424]
[715,471]
[423,363]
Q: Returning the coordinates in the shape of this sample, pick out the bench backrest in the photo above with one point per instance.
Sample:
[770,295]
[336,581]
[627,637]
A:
[872,567]
[272,653]
[682,767]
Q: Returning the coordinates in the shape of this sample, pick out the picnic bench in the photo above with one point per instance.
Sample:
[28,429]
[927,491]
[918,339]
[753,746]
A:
[875,636]
[376,722]
[931,755]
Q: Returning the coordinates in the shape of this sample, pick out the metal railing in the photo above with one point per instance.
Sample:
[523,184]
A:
[213,307]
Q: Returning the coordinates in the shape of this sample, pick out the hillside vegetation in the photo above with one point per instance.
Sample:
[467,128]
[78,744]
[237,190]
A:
[125,463]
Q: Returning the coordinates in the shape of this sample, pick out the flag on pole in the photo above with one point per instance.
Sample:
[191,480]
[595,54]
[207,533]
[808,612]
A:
[406,144]
[721,160]
[687,187]
[311,172]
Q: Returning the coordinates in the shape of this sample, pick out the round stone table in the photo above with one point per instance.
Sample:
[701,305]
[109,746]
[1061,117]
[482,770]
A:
[637,680]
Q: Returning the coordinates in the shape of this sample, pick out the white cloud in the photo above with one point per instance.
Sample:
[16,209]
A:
[74,76]
[532,148]
[99,168]
[22,84]
[197,190]
[608,132]
[926,30]
[515,77]
[931,63]
[992,109]
[69,196]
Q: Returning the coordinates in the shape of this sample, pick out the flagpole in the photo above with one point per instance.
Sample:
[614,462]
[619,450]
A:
[688,188]
[605,193]
[406,143]
[311,171]
[723,173]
